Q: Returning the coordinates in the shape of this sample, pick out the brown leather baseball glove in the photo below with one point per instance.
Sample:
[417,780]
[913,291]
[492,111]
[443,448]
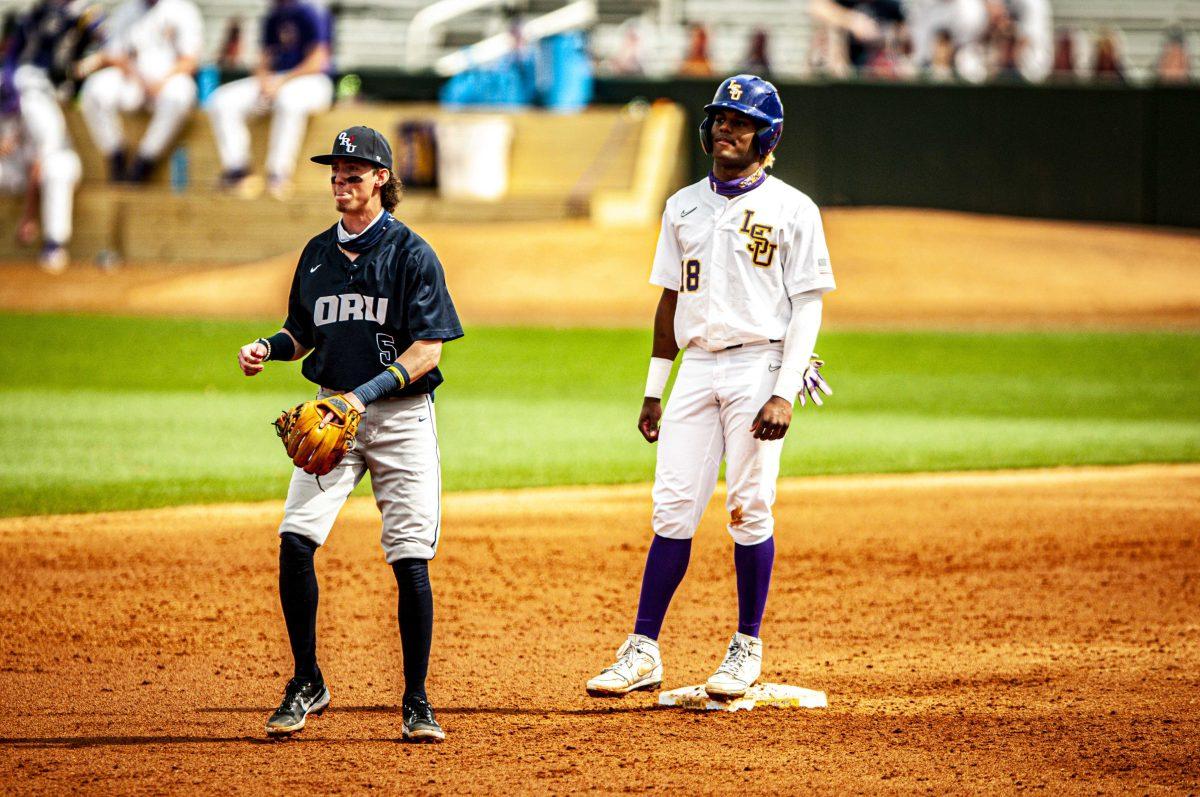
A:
[318,433]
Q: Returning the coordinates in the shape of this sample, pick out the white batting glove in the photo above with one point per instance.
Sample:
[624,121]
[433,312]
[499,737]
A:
[814,384]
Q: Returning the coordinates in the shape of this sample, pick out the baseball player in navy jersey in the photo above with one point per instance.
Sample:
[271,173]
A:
[743,264]
[291,81]
[150,56]
[36,155]
[368,312]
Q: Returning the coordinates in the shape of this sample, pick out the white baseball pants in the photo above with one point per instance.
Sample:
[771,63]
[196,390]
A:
[59,176]
[108,93]
[40,111]
[397,443]
[708,417]
[297,99]
[60,173]
[59,166]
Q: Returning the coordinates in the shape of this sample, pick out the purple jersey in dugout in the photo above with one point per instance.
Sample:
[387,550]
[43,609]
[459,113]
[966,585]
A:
[290,31]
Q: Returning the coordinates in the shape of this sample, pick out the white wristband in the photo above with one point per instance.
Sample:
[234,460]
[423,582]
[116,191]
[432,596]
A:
[656,379]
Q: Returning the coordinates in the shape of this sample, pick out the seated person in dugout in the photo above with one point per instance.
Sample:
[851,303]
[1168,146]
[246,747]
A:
[291,82]
[42,167]
[150,57]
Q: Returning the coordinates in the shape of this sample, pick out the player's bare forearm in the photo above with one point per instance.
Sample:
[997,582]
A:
[829,12]
[421,358]
[664,326]
[664,348]
[186,65]
[262,69]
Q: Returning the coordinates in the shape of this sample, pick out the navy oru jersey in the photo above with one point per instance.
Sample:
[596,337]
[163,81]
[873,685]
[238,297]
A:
[359,317]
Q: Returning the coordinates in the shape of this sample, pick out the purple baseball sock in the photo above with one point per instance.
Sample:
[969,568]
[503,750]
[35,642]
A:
[753,564]
[665,565]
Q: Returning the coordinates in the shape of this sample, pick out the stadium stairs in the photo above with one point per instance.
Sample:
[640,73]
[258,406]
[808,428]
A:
[560,166]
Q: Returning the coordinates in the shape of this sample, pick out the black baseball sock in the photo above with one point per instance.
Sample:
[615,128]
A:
[415,613]
[298,594]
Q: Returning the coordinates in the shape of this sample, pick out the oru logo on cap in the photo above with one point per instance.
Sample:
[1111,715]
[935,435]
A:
[346,141]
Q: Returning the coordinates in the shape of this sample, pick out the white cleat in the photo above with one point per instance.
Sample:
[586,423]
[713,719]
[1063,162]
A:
[739,671]
[638,666]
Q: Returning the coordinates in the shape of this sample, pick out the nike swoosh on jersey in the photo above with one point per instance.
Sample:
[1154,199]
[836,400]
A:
[773,368]
[684,213]
[314,268]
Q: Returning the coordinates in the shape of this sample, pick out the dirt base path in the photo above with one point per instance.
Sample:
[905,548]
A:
[975,632]
[894,266]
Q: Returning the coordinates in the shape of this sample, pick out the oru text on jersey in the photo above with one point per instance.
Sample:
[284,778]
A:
[359,316]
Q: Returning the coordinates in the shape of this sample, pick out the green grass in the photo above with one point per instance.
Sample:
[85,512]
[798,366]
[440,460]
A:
[108,413]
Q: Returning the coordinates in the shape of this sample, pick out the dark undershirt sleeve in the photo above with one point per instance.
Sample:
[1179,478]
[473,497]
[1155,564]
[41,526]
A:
[430,313]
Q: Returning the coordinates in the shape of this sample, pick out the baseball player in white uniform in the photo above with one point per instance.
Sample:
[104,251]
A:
[152,53]
[743,265]
[40,164]
[291,81]
[36,156]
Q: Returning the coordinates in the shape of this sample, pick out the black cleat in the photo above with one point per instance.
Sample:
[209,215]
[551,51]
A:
[117,166]
[300,699]
[419,723]
[139,171]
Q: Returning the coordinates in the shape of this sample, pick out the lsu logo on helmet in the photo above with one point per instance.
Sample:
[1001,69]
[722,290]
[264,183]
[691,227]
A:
[754,97]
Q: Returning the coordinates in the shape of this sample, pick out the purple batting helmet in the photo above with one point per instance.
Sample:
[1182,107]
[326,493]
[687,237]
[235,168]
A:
[754,97]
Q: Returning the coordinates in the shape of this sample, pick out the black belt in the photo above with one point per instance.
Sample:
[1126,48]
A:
[740,345]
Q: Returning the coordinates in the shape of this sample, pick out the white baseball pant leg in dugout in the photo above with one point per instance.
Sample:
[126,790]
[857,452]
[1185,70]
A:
[108,93]
[234,103]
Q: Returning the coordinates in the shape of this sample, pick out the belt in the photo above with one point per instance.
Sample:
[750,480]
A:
[740,345]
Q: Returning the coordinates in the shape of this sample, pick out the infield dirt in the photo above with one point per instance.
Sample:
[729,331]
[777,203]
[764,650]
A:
[974,632]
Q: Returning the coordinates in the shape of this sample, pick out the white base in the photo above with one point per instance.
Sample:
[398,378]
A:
[777,695]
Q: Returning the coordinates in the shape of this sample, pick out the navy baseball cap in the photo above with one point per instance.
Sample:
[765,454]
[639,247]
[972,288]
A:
[361,143]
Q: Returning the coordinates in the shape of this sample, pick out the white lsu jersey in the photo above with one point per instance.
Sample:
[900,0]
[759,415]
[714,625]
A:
[156,37]
[737,261]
